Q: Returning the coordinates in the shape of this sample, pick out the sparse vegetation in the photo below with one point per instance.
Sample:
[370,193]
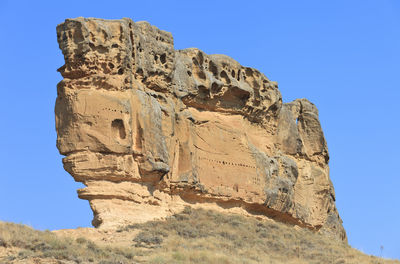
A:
[37,244]
[193,236]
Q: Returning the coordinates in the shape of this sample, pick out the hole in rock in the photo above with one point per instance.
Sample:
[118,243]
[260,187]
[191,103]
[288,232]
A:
[225,77]
[215,88]
[118,128]
[249,72]
[163,58]
[213,68]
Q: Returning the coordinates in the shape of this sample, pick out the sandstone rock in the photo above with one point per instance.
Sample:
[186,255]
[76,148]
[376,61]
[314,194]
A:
[149,129]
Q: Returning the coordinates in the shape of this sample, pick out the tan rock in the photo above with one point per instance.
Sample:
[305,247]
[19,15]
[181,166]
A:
[149,129]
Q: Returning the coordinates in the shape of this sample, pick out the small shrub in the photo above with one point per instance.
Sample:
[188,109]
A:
[24,254]
[81,240]
[179,256]
[158,260]
[187,210]
[189,232]
[148,239]
[228,235]
[2,243]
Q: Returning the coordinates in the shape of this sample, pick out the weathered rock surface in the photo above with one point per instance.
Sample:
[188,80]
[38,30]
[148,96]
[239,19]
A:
[149,129]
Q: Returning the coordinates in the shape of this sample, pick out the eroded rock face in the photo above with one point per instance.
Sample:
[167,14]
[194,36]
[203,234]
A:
[148,129]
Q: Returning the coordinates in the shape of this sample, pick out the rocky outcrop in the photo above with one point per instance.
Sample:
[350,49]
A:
[149,129]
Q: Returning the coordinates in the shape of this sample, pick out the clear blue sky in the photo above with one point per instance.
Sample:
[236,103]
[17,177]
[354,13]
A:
[343,55]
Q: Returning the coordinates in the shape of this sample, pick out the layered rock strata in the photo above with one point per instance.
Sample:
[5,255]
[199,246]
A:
[147,129]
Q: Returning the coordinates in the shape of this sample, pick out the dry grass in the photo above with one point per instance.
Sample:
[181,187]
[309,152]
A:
[193,236]
[31,244]
[201,236]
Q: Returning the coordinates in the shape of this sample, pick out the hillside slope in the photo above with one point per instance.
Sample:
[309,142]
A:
[193,236]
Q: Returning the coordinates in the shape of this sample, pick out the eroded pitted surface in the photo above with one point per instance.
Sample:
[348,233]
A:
[149,129]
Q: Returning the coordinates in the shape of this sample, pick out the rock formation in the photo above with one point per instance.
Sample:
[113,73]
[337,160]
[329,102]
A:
[148,129]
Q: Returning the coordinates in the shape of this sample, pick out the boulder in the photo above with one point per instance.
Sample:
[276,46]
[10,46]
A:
[149,129]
